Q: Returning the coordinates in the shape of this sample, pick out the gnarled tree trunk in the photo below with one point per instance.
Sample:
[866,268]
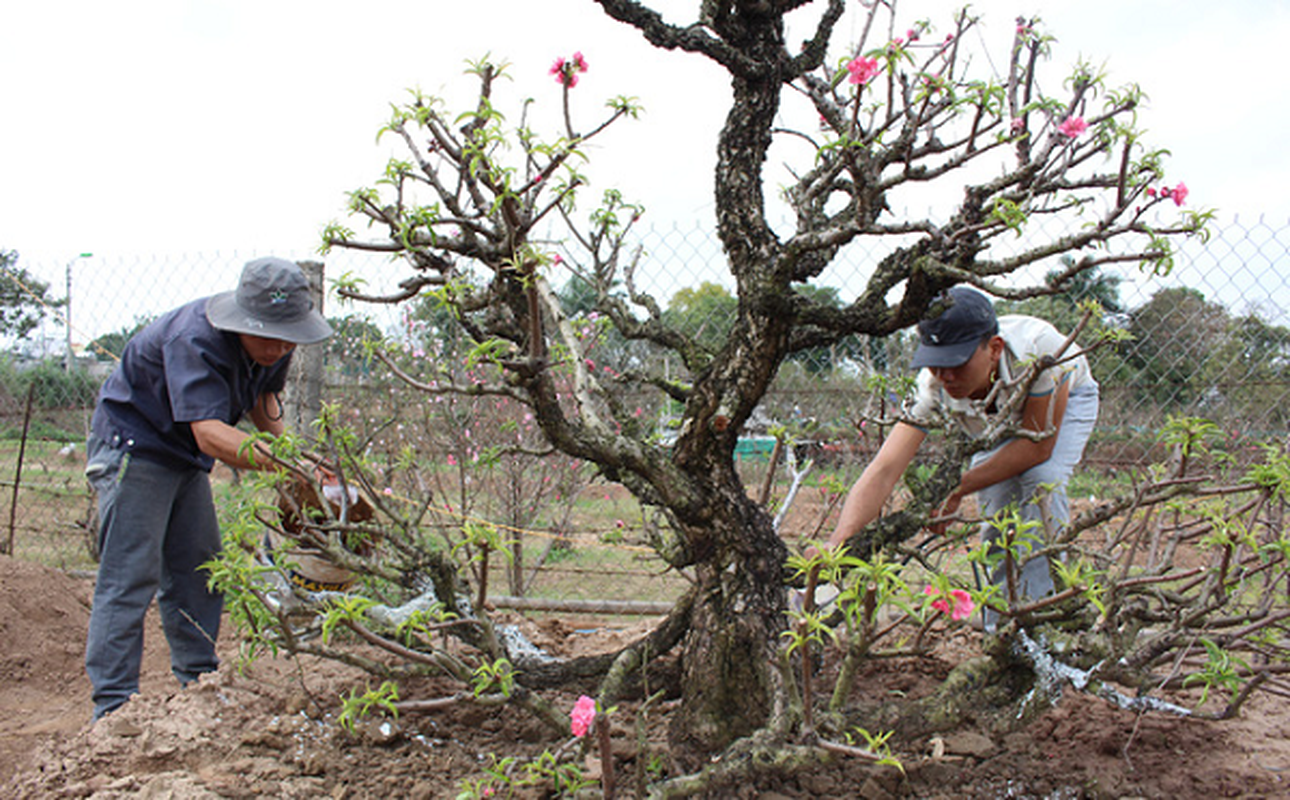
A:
[734,626]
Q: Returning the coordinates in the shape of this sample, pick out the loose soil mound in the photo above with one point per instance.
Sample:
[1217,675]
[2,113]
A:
[270,731]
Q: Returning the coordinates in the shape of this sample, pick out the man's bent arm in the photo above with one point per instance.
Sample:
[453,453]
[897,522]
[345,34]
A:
[875,485]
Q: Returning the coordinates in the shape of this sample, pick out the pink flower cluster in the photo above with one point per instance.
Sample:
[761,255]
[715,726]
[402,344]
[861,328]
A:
[583,714]
[1178,194]
[862,70]
[957,603]
[1072,127]
[566,71]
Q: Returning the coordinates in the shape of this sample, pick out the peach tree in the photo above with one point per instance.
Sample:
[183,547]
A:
[483,209]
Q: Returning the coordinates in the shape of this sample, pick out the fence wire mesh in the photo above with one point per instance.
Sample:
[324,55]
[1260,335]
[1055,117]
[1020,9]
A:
[1209,339]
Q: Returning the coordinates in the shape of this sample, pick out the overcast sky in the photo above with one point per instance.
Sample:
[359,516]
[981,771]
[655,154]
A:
[150,126]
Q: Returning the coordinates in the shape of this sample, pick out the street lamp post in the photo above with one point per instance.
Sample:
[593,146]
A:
[70,360]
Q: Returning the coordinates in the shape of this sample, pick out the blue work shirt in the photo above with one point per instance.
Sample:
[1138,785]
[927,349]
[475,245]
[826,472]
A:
[178,370]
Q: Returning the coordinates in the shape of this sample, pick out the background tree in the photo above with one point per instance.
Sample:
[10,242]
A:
[852,349]
[702,314]
[608,348]
[1175,333]
[24,300]
[578,296]
[1065,310]
[348,352]
[877,117]
[110,346]
[1071,289]
[1245,368]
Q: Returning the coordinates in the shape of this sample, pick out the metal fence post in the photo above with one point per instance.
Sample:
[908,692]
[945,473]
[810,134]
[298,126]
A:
[304,394]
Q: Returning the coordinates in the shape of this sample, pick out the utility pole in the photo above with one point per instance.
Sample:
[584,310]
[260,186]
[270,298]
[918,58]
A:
[69,361]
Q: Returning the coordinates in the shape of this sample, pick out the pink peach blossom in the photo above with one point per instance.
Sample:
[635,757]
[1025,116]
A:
[583,714]
[862,70]
[962,603]
[1072,127]
[566,71]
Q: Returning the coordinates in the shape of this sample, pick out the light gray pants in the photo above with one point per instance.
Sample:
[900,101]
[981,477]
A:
[157,526]
[1036,579]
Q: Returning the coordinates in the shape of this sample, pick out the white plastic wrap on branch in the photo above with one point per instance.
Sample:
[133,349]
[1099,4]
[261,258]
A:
[799,475]
[1051,675]
[296,602]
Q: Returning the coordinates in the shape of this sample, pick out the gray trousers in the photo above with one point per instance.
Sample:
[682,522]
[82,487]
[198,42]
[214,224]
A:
[1035,576]
[157,526]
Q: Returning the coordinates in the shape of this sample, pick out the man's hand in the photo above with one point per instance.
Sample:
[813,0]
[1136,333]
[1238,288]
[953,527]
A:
[947,513]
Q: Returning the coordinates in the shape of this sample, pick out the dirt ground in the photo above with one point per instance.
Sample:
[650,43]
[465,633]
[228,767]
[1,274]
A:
[271,731]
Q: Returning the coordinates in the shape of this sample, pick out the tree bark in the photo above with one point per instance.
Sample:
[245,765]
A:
[734,630]
[739,607]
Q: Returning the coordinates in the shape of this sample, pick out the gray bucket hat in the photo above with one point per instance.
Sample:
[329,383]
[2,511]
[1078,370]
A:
[950,339]
[272,300]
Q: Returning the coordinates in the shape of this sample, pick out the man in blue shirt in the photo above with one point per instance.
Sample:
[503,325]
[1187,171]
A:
[163,418]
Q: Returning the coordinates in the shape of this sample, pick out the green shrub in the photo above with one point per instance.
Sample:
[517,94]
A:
[51,385]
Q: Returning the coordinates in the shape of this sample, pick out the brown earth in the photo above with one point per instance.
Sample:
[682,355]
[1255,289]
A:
[270,730]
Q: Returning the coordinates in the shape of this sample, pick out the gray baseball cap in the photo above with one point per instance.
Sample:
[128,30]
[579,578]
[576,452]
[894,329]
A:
[271,300]
[949,340]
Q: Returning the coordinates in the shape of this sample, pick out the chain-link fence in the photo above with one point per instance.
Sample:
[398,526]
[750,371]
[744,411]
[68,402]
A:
[1209,339]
